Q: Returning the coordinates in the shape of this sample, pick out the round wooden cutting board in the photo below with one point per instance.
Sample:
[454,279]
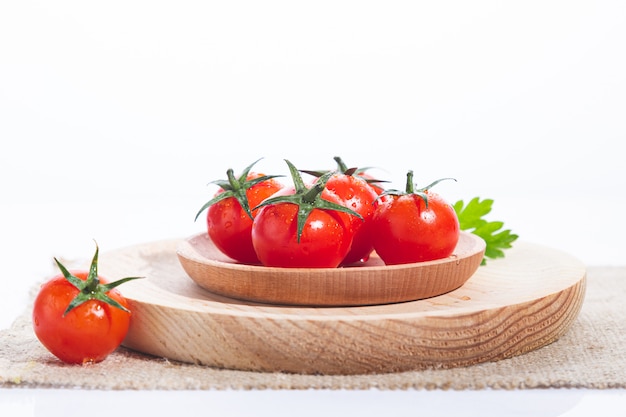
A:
[508,307]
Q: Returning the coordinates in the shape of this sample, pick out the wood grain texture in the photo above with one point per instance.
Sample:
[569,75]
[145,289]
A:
[507,308]
[366,284]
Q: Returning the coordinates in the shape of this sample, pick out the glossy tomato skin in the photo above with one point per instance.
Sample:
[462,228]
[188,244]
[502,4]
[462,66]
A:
[88,333]
[359,196]
[324,243]
[230,227]
[406,231]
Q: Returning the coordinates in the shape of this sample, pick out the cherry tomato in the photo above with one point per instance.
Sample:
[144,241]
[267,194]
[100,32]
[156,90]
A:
[359,196]
[414,226]
[229,218]
[80,317]
[302,227]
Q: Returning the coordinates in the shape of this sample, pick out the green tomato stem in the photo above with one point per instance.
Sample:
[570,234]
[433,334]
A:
[341,166]
[409,182]
[232,180]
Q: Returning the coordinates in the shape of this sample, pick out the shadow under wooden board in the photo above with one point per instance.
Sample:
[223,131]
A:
[509,307]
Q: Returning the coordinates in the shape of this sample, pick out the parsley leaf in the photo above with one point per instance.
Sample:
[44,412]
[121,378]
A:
[471,219]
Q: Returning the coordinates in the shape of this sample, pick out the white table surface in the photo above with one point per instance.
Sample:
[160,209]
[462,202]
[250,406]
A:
[114,118]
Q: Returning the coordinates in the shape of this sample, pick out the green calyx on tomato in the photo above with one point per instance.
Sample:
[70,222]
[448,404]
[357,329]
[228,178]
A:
[91,288]
[359,173]
[342,168]
[236,188]
[307,199]
[410,188]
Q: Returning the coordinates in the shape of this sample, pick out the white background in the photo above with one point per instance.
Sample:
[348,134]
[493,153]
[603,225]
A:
[114,116]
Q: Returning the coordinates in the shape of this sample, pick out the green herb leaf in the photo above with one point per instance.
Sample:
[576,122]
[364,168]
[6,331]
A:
[471,219]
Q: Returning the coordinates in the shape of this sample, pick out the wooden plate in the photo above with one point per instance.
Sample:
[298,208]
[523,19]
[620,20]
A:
[508,307]
[367,284]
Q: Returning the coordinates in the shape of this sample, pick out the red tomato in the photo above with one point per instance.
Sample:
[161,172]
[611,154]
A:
[300,227]
[359,196]
[229,218]
[91,330]
[359,193]
[406,229]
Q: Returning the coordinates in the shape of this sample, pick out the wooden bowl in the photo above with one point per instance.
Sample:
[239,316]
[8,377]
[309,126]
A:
[371,283]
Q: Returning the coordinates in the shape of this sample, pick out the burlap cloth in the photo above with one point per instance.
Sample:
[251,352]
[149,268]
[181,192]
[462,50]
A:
[592,354]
